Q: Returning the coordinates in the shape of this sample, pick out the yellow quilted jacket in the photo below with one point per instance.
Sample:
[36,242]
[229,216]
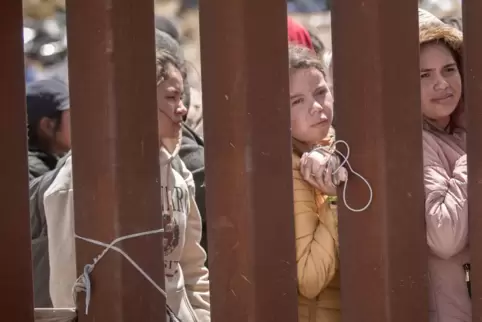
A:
[316,252]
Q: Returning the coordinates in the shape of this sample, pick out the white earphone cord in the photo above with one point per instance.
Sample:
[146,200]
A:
[345,161]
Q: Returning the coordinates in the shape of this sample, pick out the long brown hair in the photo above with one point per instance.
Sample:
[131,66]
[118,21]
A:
[164,59]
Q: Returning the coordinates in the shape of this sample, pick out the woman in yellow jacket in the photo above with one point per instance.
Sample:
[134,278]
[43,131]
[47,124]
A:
[315,222]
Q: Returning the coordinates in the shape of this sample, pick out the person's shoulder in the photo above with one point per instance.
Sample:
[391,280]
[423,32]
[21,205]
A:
[429,140]
[189,136]
[63,180]
[182,174]
[36,166]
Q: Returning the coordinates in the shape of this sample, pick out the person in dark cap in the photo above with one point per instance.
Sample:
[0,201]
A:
[48,118]
[166,25]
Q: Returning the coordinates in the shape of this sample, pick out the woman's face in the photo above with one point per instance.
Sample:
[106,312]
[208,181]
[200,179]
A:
[441,84]
[311,105]
[169,105]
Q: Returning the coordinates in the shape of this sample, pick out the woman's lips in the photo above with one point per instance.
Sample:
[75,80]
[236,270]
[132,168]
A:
[443,99]
[320,123]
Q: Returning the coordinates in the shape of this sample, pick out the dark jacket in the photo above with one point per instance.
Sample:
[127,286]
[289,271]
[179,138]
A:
[192,154]
[40,163]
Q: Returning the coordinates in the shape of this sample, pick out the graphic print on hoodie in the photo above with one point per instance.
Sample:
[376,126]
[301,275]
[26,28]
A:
[174,206]
[186,277]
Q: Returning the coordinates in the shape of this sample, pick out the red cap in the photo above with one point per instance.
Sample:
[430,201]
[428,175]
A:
[298,34]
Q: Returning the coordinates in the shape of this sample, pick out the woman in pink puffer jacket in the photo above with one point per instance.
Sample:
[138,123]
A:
[445,170]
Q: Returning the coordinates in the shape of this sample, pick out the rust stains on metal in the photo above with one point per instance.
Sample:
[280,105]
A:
[472,24]
[116,154]
[377,95]
[16,272]
[248,160]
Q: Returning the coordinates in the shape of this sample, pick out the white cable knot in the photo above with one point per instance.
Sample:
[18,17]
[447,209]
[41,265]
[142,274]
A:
[336,177]
[83,282]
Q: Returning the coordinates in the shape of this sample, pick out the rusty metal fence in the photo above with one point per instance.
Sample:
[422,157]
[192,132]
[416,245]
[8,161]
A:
[245,88]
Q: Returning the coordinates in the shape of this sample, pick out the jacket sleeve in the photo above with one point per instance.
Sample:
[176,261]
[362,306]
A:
[196,275]
[316,253]
[445,204]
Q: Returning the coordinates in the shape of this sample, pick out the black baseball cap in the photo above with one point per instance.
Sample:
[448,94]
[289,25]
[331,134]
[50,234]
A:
[45,98]
[165,24]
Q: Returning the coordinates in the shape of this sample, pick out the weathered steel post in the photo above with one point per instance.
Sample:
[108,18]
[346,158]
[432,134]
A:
[116,154]
[16,272]
[377,96]
[248,160]
[472,22]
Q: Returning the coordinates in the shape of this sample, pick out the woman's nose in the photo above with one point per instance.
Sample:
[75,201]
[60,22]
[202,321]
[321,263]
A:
[441,83]
[181,109]
[316,107]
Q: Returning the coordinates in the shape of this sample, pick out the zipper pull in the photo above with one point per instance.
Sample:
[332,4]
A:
[467,272]
[466,267]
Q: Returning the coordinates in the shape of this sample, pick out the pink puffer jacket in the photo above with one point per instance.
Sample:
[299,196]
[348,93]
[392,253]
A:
[445,179]
[446,215]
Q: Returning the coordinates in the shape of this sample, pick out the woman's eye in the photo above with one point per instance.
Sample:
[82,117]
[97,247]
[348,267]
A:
[450,69]
[424,75]
[320,92]
[297,101]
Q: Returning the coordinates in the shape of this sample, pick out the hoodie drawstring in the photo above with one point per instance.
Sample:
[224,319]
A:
[167,204]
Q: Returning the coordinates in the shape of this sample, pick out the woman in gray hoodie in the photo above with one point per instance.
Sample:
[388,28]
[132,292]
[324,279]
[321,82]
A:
[186,277]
